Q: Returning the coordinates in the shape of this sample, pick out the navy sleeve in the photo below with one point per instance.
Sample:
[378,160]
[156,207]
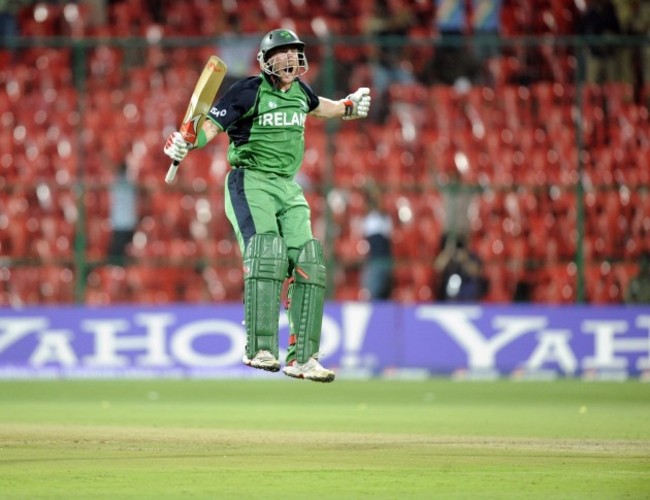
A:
[312,98]
[235,103]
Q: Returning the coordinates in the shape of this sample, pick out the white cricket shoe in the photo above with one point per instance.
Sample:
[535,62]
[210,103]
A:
[263,360]
[311,370]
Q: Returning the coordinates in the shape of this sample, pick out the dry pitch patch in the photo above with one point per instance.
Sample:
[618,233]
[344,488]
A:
[138,438]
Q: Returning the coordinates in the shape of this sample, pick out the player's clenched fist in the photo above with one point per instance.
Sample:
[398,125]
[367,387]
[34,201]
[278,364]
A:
[357,105]
[176,147]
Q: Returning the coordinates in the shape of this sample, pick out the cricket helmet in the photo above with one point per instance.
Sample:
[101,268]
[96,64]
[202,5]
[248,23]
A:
[281,38]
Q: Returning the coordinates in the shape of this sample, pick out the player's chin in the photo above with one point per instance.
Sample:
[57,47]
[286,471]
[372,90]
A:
[288,76]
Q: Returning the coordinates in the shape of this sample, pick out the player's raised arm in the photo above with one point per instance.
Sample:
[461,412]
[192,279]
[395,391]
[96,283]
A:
[204,93]
[353,107]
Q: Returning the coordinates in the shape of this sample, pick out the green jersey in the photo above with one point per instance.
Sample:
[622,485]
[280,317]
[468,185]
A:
[265,126]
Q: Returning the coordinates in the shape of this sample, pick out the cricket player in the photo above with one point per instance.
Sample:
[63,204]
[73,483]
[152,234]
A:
[264,117]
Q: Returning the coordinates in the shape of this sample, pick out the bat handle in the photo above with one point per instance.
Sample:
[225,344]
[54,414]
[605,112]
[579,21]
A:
[171,172]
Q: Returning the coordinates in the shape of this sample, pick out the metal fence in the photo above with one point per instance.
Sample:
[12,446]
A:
[534,150]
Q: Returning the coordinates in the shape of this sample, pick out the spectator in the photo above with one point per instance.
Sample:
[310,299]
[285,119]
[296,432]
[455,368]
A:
[636,57]
[638,290]
[386,60]
[452,61]
[523,290]
[238,50]
[9,18]
[124,215]
[460,272]
[600,19]
[486,28]
[376,276]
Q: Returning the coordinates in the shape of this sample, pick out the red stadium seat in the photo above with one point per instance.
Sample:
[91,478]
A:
[506,137]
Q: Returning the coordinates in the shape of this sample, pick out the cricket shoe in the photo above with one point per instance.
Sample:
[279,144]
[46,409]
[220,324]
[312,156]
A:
[263,360]
[311,370]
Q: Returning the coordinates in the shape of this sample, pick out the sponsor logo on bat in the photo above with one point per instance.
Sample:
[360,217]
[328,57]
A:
[189,129]
[215,67]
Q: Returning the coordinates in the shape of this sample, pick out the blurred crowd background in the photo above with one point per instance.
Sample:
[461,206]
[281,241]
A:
[506,158]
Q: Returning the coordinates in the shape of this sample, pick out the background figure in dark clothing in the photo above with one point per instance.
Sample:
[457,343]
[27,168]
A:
[460,271]
[638,290]
[376,276]
[600,19]
[453,61]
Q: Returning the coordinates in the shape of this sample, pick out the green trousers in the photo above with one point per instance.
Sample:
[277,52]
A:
[259,202]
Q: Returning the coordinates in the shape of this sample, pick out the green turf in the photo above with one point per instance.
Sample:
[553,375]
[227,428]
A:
[286,439]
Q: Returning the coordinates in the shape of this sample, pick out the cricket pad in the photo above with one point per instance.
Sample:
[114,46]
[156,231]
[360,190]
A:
[265,269]
[307,298]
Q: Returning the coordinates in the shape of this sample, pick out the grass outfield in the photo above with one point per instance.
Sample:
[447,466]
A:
[289,439]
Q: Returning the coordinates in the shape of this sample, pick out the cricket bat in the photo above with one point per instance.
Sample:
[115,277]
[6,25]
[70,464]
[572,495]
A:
[204,93]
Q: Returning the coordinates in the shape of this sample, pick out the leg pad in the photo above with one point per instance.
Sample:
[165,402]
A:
[265,269]
[307,299]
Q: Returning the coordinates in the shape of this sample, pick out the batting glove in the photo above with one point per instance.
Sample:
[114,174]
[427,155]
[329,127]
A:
[176,147]
[357,105]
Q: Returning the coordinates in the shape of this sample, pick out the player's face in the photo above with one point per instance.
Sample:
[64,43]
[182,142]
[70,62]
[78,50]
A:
[284,63]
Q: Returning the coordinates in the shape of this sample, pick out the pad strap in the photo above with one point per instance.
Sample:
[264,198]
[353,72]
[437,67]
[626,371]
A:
[265,269]
[307,299]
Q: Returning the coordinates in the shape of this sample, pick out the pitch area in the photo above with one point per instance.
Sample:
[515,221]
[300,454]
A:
[285,439]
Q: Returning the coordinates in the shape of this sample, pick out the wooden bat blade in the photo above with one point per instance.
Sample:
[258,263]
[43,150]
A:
[203,95]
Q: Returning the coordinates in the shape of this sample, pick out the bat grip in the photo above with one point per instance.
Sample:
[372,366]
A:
[171,172]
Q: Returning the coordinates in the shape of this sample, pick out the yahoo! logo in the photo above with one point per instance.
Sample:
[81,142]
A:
[364,337]
[608,339]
